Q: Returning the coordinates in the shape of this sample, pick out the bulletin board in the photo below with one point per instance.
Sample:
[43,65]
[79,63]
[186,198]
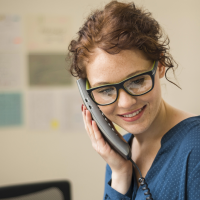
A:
[37,92]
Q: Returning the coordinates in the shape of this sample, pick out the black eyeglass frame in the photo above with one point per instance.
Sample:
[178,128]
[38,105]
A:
[120,85]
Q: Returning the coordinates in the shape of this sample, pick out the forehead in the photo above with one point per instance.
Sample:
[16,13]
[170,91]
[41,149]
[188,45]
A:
[109,68]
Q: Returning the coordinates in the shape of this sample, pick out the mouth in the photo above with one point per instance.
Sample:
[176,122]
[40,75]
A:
[134,115]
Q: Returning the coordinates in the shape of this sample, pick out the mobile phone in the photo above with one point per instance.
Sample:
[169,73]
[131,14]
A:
[105,127]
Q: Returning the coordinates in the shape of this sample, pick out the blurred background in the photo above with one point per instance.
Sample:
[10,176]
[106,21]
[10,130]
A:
[41,130]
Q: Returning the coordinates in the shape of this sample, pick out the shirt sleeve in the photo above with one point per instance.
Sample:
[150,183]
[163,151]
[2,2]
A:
[112,194]
[193,170]
[193,185]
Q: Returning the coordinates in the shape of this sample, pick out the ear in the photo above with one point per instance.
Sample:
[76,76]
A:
[161,70]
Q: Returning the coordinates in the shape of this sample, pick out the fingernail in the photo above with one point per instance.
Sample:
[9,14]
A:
[91,122]
[82,107]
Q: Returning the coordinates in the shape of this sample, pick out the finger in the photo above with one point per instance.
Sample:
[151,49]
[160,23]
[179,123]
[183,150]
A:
[89,128]
[102,145]
[89,124]
[84,120]
[97,132]
[84,117]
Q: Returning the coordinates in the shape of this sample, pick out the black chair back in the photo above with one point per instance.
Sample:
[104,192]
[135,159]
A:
[55,190]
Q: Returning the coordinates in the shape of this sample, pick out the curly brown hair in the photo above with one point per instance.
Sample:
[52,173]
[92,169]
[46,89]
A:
[119,26]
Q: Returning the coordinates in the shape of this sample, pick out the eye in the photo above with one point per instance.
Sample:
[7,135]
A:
[135,82]
[106,90]
[138,81]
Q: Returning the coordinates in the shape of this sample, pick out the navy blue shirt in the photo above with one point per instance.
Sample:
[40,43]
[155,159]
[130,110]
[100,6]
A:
[175,171]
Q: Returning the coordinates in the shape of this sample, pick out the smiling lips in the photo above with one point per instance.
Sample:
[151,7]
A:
[132,116]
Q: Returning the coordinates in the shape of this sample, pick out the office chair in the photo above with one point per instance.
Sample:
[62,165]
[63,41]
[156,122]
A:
[55,190]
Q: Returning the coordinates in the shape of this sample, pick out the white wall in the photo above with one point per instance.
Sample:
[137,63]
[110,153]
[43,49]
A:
[28,156]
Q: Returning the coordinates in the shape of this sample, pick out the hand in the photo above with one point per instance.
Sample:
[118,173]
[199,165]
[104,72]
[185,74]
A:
[121,168]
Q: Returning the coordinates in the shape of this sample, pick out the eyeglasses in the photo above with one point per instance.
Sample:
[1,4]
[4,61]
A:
[135,86]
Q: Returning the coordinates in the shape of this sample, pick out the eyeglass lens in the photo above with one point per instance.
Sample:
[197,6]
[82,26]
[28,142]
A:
[138,85]
[135,86]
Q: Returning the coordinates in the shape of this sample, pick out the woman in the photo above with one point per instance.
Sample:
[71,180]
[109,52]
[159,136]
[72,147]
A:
[123,43]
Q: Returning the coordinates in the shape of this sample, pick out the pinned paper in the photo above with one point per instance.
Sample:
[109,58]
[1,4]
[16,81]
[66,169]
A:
[55,110]
[48,69]
[10,70]
[10,33]
[48,33]
[10,109]
[42,110]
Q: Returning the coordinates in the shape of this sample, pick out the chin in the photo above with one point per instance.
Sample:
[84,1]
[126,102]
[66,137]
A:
[137,128]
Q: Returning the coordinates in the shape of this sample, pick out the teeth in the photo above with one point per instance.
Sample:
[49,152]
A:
[133,114]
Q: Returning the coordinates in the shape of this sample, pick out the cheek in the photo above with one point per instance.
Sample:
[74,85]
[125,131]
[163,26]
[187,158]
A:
[155,96]
[157,88]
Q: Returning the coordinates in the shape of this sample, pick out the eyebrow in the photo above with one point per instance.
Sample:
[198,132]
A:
[130,75]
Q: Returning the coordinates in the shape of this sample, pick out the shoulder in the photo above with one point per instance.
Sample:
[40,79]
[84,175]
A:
[191,130]
[190,144]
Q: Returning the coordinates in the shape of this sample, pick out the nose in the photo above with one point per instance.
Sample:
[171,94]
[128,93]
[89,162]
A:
[125,100]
